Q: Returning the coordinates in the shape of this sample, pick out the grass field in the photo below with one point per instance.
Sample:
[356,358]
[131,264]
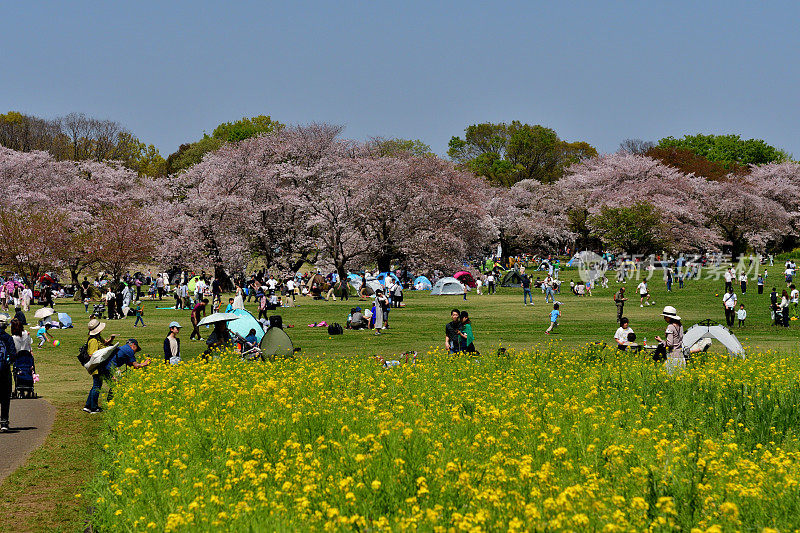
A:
[497,319]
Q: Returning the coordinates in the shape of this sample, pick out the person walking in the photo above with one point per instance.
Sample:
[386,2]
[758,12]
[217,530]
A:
[729,303]
[760,284]
[619,300]
[93,343]
[555,314]
[138,312]
[172,344]
[194,317]
[783,308]
[8,354]
[526,288]
[743,281]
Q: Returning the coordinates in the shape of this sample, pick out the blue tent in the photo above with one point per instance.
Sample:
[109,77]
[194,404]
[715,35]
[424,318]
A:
[382,277]
[245,323]
[426,283]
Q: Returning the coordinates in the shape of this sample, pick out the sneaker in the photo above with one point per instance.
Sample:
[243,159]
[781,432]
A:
[86,409]
[640,305]
[95,411]
[4,426]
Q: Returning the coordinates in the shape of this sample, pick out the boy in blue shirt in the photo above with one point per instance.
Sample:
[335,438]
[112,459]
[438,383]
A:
[41,333]
[554,315]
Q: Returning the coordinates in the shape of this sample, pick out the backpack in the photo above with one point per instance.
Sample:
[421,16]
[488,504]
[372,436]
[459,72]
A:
[335,329]
[83,354]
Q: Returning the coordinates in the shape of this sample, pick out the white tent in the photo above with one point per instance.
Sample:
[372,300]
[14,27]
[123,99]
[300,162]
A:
[448,286]
[711,330]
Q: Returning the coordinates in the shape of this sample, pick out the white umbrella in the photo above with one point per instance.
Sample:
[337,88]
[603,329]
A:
[217,317]
[44,312]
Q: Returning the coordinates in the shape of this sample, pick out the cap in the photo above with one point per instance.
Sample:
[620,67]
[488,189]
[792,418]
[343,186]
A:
[134,342]
[174,324]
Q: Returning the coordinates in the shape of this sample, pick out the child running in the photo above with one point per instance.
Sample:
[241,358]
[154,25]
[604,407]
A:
[554,316]
[42,334]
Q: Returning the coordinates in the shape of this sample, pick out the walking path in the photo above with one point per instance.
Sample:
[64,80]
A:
[31,421]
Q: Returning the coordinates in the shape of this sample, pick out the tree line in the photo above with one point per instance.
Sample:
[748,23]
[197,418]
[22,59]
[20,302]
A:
[257,189]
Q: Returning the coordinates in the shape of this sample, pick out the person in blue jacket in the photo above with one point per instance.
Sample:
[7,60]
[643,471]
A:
[8,353]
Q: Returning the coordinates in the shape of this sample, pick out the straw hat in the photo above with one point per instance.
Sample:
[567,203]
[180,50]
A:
[670,312]
[4,320]
[95,326]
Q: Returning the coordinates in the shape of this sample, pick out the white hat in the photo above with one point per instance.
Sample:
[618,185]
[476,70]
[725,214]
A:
[670,312]
[95,326]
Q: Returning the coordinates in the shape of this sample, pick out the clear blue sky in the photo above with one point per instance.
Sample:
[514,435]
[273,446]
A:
[594,71]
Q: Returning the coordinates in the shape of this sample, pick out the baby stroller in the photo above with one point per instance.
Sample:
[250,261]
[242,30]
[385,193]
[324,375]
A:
[99,310]
[24,369]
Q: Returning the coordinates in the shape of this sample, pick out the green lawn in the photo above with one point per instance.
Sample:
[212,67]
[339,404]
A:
[497,319]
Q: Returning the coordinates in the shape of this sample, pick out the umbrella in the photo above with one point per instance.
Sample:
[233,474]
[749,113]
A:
[217,317]
[44,312]
[245,323]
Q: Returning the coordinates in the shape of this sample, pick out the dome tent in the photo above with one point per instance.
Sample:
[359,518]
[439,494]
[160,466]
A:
[382,277]
[511,278]
[708,329]
[448,286]
[423,283]
[466,278]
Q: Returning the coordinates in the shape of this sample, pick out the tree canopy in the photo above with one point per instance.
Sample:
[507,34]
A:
[192,153]
[728,149]
[508,153]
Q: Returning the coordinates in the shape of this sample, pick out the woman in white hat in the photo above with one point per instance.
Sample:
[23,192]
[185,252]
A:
[674,338]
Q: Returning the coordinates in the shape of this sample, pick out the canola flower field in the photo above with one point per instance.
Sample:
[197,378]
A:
[546,439]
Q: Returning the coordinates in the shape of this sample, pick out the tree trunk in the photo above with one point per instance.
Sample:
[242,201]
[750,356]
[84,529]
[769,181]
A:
[384,263]
[225,283]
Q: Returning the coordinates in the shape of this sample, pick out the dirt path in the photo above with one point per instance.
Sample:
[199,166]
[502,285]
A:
[31,421]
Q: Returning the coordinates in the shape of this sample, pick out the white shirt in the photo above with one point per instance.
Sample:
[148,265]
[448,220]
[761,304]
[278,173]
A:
[490,279]
[23,343]
[741,314]
[727,276]
[795,296]
[729,300]
[642,288]
[743,277]
[271,284]
[622,334]
[290,285]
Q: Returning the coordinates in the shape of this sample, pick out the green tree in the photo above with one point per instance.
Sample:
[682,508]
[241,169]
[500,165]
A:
[508,153]
[636,230]
[192,153]
[396,146]
[728,149]
[245,128]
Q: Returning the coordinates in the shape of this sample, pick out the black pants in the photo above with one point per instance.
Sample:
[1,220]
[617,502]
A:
[491,287]
[728,285]
[345,295]
[729,316]
[619,313]
[744,287]
[760,289]
[5,392]
[786,317]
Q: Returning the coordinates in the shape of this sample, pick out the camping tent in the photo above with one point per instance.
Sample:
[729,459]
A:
[65,320]
[245,323]
[372,286]
[192,285]
[354,280]
[422,283]
[511,279]
[276,342]
[708,329]
[382,277]
[318,279]
[465,278]
[448,286]
[488,265]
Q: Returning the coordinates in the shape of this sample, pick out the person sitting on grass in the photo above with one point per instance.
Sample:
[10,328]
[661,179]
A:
[220,338]
[623,331]
[229,309]
[452,332]
[356,320]
[554,316]
[468,339]
[172,344]
[251,340]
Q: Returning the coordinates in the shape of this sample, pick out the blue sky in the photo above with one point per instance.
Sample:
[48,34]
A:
[594,71]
